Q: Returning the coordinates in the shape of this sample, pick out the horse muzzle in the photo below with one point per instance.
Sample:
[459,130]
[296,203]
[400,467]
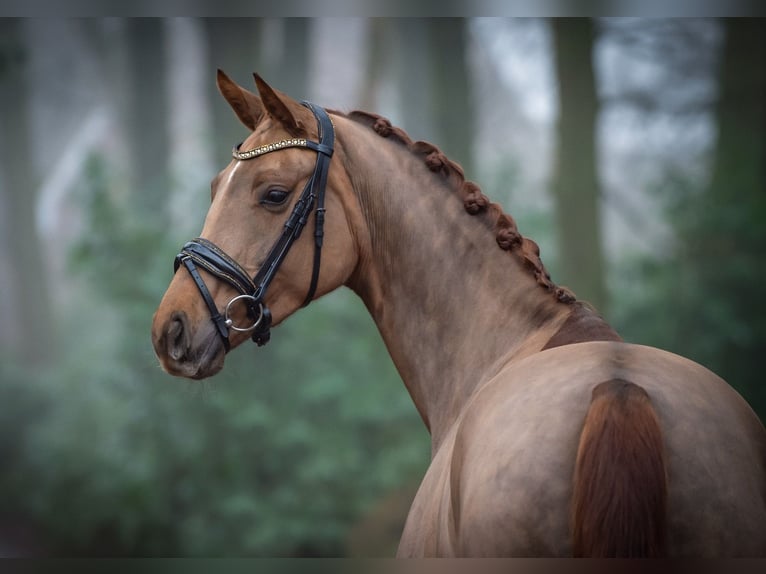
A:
[186,352]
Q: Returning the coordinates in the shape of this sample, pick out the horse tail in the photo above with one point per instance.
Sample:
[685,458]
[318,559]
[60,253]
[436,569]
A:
[620,482]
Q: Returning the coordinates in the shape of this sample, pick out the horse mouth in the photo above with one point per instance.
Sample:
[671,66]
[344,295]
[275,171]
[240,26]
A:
[211,359]
[206,361]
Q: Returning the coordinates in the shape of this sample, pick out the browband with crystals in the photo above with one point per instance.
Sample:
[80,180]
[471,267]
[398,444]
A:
[266,148]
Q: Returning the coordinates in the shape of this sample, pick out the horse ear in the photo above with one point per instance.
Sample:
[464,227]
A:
[278,107]
[245,104]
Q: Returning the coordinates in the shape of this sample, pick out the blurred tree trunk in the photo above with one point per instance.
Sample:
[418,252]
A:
[451,109]
[191,155]
[294,67]
[728,245]
[234,48]
[378,32]
[412,69]
[575,183]
[433,79]
[739,167]
[427,59]
[27,319]
[145,117]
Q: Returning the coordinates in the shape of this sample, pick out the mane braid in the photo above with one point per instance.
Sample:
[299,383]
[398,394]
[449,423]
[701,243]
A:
[475,202]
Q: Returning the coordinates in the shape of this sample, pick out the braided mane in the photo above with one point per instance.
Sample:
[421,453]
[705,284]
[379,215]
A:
[475,202]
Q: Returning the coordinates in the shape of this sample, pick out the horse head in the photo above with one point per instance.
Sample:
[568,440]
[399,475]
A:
[257,259]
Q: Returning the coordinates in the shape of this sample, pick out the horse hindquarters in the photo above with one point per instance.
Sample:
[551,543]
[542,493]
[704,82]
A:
[620,483]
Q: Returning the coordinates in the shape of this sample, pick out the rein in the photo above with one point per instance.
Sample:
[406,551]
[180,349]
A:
[205,254]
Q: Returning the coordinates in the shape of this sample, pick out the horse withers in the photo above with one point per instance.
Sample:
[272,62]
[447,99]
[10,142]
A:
[550,435]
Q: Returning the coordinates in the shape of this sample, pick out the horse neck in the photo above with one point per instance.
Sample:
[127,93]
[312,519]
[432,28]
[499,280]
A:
[451,306]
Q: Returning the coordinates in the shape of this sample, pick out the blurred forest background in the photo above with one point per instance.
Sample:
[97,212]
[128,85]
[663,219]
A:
[632,150]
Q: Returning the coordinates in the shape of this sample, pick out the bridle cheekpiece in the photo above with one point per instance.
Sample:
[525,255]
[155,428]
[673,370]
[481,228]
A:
[203,253]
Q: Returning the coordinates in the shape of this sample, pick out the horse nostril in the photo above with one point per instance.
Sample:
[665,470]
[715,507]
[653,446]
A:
[177,336]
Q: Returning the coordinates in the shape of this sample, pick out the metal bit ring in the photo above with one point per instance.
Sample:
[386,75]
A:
[230,322]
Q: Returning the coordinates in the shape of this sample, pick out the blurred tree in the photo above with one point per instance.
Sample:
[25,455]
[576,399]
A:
[412,69]
[234,47]
[189,76]
[293,67]
[377,35]
[739,167]
[27,322]
[705,290]
[727,240]
[451,106]
[575,182]
[144,117]
[434,85]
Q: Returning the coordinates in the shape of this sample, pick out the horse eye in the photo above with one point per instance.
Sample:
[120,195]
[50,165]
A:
[274,197]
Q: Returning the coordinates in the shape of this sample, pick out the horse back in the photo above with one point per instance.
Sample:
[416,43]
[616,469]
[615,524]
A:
[502,484]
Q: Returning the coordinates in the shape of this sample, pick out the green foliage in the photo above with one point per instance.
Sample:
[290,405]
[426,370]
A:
[703,296]
[107,455]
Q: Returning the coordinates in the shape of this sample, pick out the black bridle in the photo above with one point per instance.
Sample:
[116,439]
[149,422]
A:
[205,254]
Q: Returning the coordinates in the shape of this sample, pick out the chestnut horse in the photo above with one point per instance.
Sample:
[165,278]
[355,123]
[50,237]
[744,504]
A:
[550,435]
